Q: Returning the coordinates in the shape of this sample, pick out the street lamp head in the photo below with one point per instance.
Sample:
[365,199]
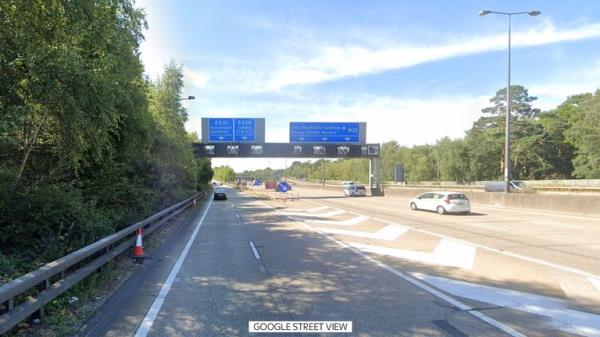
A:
[484,12]
[534,13]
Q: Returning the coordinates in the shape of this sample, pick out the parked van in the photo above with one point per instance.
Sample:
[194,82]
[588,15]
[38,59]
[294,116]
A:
[498,186]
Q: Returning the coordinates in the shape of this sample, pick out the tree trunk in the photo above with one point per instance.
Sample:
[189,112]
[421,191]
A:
[28,152]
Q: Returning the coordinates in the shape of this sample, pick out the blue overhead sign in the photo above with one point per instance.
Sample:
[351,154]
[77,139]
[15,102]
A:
[220,129]
[245,130]
[313,132]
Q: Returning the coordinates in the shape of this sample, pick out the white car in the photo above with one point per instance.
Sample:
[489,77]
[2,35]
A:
[354,190]
[442,202]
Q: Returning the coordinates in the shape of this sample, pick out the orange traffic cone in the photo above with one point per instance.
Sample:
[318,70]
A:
[138,250]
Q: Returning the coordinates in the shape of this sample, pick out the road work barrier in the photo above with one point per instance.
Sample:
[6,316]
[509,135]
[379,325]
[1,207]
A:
[26,296]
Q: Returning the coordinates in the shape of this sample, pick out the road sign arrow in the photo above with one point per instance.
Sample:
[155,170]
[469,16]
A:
[220,137]
[347,138]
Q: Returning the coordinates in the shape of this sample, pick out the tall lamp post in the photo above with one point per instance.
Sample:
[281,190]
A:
[508,98]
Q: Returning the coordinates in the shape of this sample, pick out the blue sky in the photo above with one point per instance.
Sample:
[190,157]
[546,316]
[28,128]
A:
[415,71]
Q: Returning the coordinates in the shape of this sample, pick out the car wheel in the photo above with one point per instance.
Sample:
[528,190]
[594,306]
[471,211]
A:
[441,210]
[413,206]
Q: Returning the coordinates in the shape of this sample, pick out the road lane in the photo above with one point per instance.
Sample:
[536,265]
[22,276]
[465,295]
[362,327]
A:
[553,301]
[563,239]
[300,275]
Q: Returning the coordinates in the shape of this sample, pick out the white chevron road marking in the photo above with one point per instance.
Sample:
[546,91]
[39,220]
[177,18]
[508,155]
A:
[556,310]
[325,215]
[388,233]
[447,253]
[312,210]
[349,222]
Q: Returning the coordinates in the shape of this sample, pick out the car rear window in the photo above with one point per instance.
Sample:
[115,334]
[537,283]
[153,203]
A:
[457,197]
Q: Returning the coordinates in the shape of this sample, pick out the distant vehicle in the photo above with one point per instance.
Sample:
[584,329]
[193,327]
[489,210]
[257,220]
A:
[220,194]
[346,183]
[498,186]
[442,202]
[354,190]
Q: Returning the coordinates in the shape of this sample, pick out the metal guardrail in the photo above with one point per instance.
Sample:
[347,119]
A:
[18,298]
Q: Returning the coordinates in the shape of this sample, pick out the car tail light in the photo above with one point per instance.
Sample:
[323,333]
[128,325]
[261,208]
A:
[447,201]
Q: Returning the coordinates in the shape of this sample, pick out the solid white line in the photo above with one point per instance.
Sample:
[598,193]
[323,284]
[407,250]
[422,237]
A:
[238,216]
[512,332]
[146,325]
[447,253]
[557,311]
[495,250]
[254,250]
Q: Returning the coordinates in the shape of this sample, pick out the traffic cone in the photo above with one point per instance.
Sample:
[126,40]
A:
[138,250]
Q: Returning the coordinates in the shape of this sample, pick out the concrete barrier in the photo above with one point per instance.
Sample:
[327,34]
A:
[572,203]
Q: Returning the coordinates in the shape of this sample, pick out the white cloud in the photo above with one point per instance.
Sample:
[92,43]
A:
[195,79]
[553,93]
[333,62]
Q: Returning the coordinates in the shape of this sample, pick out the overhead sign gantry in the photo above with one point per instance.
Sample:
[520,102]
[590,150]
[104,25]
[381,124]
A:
[245,138]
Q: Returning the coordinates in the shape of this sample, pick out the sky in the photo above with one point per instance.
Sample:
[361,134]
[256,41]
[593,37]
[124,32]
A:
[415,71]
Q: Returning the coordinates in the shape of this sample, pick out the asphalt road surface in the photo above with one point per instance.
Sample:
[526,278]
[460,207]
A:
[371,261]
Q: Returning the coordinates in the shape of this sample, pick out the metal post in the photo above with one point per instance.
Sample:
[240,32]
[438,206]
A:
[377,185]
[370,174]
[507,126]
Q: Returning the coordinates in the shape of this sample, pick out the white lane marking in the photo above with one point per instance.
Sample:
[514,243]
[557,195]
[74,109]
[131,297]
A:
[447,253]
[254,250]
[326,215]
[146,325]
[595,282]
[314,209]
[561,317]
[462,306]
[349,222]
[238,216]
[388,233]
[495,250]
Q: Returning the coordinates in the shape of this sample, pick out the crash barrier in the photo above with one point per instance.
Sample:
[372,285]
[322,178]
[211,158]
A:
[27,295]
[284,196]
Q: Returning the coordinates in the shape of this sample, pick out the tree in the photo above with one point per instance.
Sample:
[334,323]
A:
[225,174]
[584,134]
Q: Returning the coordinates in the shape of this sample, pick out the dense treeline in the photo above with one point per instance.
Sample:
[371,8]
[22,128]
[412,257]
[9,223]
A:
[87,143]
[558,144]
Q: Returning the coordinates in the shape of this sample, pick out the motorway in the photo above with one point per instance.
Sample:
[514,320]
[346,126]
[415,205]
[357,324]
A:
[372,261]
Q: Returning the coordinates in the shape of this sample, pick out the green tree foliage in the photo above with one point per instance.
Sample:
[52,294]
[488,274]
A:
[225,174]
[87,144]
[554,144]
[584,133]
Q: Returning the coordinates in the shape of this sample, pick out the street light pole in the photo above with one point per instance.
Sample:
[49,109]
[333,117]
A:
[507,126]
[507,177]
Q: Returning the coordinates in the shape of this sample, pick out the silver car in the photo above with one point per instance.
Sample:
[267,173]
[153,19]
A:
[355,190]
[442,202]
